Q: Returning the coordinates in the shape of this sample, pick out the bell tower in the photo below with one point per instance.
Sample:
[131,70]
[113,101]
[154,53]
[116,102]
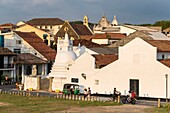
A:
[86,21]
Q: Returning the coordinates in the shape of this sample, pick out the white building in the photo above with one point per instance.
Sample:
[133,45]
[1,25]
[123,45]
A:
[136,69]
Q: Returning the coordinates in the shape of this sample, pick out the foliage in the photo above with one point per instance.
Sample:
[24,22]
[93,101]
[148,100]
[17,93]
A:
[164,23]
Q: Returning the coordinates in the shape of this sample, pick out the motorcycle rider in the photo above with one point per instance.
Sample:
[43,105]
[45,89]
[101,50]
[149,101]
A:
[131,95]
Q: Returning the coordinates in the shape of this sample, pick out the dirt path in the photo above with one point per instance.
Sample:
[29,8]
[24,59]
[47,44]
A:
[3,104]
[108,109]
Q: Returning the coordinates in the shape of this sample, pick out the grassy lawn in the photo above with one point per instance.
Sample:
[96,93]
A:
[162,109]
[24,104]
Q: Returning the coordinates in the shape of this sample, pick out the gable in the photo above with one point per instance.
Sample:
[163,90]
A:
[137,49]
[70,31]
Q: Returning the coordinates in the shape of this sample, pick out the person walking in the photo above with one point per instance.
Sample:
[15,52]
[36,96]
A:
[89,92]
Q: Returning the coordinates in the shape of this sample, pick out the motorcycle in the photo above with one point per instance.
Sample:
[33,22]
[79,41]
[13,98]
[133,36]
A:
[126,100]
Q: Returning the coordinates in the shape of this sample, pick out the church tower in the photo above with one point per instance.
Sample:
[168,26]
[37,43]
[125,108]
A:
[114,22]
[86,21]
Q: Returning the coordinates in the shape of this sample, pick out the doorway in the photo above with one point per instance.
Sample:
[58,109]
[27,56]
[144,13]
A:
[134,86]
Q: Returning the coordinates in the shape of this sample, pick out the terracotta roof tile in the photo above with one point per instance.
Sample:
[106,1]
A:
[86,43]
[45,21]
[105,59]
[162,45]
[27,58]
[166,62]
[6,51]
[7,25]
[105,36]
[81,29]
[38,44]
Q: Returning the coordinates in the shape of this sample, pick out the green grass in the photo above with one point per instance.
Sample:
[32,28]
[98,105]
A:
[23,104]
[162,109]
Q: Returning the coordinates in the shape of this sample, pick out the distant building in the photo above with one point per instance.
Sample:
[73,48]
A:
[7,67]
[104,26]
[31,51]
[41,33]
[74,30]
[143,34]
[167,32]
[51,24]
[105,38]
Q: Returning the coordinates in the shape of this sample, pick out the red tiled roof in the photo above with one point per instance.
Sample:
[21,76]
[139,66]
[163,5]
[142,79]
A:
[106,59]
[166,62]
[162,45]
[45,21]
[86,43]
[38,44]
[104,36]
[7,24]
[28,58]
[6,51]
[81,29]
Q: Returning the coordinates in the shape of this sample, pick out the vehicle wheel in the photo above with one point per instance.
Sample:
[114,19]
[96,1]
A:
[124,101]
[133,101]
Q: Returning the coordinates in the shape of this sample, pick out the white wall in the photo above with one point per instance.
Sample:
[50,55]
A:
[126,30]
[84,64]
[137,60]
[100,41]
[30,82]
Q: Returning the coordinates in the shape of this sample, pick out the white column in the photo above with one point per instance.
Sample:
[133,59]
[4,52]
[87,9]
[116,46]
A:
[23,77]
[46,68]
[43,69]
[14,73]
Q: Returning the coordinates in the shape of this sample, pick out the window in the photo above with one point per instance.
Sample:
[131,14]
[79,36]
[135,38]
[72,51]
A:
[75,80]
[18,41]
[96,82]
[17,51]
[163,56]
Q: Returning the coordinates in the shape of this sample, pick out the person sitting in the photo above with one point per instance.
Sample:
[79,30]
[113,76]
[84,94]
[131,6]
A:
[131,95]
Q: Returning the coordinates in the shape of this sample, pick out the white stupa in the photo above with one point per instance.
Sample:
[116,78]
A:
[64,58]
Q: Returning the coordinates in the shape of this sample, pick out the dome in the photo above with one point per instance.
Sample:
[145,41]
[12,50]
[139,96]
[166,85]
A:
[72,55]
[65,57]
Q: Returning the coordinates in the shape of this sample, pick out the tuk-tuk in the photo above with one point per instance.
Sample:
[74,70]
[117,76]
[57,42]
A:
[71,89]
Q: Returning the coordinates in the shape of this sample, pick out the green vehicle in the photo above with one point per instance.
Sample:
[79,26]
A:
[71,89]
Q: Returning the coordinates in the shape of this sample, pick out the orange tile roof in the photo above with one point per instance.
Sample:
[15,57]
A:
[38,44]
[28,58]
[162,45]
[6,51]
[46,21]
[105,59]
[81,29]
[166,62]
[86,43]
[7,24]
[105,36]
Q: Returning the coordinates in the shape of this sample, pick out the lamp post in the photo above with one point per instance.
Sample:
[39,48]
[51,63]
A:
[166,76]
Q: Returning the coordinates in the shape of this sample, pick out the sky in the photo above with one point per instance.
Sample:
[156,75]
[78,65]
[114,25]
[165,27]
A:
[126,11]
